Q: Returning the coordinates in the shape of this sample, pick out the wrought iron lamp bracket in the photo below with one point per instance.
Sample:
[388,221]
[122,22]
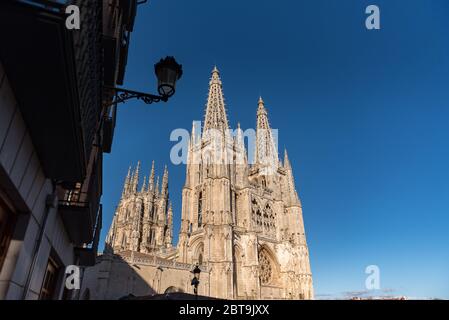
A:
[122,95]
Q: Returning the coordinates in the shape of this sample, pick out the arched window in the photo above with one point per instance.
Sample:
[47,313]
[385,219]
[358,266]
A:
[265,268]
[200,209]
[152,211]
[270,218]
[199,252]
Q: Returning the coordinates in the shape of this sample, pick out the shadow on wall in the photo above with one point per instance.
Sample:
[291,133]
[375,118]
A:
[114,278]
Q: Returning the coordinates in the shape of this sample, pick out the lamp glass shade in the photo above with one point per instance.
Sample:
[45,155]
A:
[168,71]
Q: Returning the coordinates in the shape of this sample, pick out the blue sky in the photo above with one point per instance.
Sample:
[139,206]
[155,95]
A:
[363,114]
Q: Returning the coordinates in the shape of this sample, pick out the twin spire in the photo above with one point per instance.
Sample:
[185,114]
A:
[131,184]
[216,118]
[266,149]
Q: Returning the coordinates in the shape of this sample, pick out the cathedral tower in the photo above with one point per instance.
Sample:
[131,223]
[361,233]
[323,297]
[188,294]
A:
[244,221]
[207,212]
[143,220]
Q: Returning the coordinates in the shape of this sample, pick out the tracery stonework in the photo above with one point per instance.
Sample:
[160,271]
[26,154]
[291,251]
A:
[266,272]
[241,222]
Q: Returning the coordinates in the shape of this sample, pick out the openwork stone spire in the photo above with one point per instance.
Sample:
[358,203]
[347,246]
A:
[215,110]
[266,152]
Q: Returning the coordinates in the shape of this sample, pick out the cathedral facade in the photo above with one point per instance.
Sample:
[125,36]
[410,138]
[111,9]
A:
[241,221]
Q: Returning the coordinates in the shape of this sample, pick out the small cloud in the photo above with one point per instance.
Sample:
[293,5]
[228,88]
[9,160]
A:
[324,296]
[369,294]
[354,293]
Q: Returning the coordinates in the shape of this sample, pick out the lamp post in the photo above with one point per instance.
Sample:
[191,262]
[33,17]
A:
[196,280]
[167,71]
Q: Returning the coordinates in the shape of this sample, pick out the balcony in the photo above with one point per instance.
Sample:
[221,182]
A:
[78,214]
[87,254]
[56,76]
[79,207]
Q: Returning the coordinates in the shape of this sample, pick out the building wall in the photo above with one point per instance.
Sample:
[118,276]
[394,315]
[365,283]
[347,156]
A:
[116,276]
[23,182]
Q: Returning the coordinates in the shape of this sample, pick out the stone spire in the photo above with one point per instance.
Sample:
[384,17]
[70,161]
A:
[240,147]
[144,184]
[156,191]
[127,182]
[151,178]
[287,164]
[292,194]
[164,188]
[266,153]
[169,234]
[215,117]
[241,160]
[195,131]
[135,179]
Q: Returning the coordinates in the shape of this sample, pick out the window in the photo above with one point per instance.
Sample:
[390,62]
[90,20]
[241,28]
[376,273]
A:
[152,212]
[50,280]
[151,238]
[142,210]
[199,252]
[200,209]
[265,268]
[7,223]
[264,182]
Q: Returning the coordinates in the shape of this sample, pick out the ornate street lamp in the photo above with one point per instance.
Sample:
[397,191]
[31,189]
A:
[196,280]
[168,71]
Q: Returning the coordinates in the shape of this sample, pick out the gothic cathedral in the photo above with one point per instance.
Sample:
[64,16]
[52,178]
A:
[241,221]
